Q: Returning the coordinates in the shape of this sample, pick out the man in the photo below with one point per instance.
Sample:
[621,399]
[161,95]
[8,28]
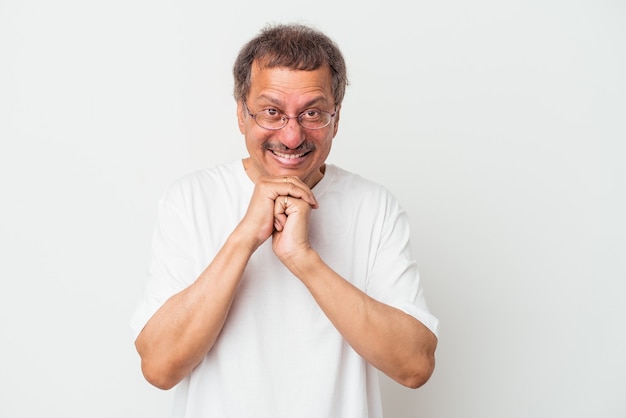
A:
[279,284]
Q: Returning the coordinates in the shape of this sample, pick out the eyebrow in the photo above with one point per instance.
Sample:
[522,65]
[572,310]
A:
[278,103]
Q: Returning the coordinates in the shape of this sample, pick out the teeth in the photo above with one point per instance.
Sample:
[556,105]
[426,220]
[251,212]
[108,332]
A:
[289,156]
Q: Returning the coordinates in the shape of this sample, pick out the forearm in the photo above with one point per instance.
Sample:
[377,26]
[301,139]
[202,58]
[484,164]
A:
[392,341]
[185,328]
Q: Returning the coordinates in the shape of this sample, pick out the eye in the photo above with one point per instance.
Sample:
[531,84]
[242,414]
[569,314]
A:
[310,114]
[271,113]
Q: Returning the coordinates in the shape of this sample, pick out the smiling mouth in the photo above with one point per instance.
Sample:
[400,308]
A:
[288,156]
[288,153]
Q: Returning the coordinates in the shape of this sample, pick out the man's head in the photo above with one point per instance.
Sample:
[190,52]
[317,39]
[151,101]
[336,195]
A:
[292,46]
[289,72]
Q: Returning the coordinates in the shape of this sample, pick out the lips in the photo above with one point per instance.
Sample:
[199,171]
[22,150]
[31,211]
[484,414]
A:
[288,156]
[281,151]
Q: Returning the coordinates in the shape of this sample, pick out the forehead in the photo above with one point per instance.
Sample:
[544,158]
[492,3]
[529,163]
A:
[284,85]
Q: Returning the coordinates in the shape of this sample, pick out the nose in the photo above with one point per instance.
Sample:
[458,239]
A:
[292,135]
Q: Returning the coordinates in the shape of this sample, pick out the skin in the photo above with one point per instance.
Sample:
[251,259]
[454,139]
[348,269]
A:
[185,328]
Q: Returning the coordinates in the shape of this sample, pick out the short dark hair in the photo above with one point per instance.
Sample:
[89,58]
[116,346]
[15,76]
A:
[293,46]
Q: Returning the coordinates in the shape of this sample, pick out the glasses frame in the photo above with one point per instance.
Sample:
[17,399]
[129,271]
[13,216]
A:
[285,118]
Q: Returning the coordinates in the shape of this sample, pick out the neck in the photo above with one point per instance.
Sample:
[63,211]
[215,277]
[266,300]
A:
[315,177]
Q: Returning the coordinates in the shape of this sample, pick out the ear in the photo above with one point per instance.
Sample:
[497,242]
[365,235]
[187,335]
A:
[336,120]
[240,116]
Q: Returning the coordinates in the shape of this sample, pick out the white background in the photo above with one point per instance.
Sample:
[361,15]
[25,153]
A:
[499,125]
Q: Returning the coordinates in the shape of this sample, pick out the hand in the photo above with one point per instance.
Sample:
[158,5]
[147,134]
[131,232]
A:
[263,217]
[291,224]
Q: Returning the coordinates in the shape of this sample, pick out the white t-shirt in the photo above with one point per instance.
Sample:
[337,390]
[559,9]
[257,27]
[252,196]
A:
[278,356]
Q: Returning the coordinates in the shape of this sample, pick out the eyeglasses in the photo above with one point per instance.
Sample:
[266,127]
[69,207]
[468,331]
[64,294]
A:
[274,120]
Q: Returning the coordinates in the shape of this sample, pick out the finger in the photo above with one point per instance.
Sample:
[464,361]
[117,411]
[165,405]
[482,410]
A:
[293,186]
[286,186]
[278,226]
[280,217]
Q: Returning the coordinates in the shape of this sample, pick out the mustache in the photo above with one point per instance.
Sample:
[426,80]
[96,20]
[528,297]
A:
[306,146]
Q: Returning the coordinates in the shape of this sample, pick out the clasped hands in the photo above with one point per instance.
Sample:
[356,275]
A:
[280,207]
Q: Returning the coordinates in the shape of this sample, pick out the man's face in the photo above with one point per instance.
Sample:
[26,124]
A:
[292,150]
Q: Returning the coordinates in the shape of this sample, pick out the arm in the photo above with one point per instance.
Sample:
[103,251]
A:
[186,326]
[391,340]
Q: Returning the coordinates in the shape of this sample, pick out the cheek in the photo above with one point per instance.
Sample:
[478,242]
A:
[255,141]
[328,139]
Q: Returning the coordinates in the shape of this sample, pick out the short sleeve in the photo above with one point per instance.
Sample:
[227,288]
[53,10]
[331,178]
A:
[394,278]
[171,266]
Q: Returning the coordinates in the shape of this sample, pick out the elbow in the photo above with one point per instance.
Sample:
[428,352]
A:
[418,371]
[158,371]
[419,374]
[159,376]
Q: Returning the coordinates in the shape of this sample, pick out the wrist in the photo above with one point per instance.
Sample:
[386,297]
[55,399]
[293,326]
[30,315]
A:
[244,240]
[302,263]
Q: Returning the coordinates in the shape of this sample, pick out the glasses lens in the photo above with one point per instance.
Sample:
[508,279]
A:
[314,119]
[270,119]
[309,119]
